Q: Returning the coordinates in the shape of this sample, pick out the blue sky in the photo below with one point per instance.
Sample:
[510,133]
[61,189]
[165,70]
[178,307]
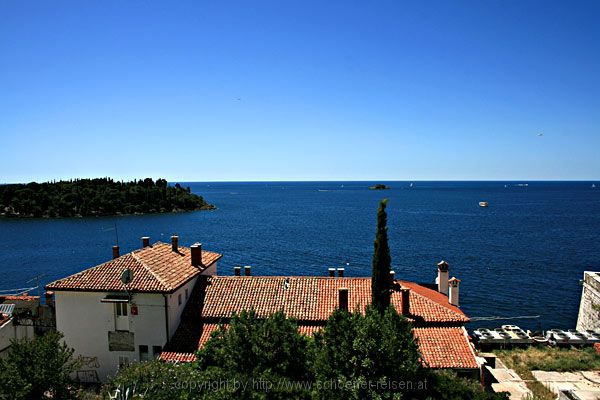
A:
[299,90]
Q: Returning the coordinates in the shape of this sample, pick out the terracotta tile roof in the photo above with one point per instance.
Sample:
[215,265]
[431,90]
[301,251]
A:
[440,347]
[311,298]
[185,353]
[171,356]
[445,347]
[155,268]
[21,297]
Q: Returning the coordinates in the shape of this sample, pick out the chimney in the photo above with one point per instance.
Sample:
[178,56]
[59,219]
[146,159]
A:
[237,271]
[442,278]
[405,292]
[115,251]
[453,297]
[392,276]
[247,270]
[175,243]
[196,250]
[340,272]
[343,298]
[145,241]
[331,272]
[49,298]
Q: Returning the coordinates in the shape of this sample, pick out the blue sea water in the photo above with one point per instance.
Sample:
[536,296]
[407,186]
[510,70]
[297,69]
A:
[524,255]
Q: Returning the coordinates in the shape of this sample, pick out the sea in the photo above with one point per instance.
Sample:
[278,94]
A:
[520,260]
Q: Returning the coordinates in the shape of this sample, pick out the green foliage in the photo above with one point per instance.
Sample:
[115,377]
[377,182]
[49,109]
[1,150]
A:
[382,261]
[93,197]
[153,379]
[445,385]
[36,368]
[366,356]
[266,355]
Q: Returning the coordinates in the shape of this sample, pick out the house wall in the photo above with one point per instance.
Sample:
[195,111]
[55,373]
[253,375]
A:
[86,322]
[9,331]
[589,307]
[175,309]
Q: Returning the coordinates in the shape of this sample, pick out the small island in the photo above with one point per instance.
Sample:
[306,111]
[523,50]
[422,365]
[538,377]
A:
[379,186]
[96,197]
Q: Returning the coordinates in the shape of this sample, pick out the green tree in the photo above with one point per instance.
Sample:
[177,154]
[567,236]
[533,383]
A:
[358,357]
[382,261]
[255,350]
[38,368]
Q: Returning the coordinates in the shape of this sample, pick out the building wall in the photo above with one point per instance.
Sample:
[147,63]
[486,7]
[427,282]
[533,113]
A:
[589,307]
[9,331]
[175,309]
[86,322]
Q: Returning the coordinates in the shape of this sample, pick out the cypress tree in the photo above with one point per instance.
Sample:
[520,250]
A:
[382,261]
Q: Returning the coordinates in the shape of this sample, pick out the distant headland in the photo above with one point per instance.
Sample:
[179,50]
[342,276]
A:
[96,197]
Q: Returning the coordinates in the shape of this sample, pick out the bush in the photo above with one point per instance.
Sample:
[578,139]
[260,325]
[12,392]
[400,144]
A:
[37,369]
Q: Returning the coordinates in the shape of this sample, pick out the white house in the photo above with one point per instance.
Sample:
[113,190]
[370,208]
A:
[109,323]
[16,319]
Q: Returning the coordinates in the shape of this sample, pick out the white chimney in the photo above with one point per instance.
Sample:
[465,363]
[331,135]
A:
[442,278]
[453,297]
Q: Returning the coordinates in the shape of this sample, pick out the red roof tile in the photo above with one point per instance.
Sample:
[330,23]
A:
[311,298]
[155,268]
[445,347]
[440,347]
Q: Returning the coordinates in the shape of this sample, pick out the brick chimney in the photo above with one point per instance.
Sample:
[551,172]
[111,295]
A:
[343,298]
[145,241]
[237,271]
[115,250]
[248,270]
[331,272]
[442,278]
[49,298]
[175,243]
[196,254]
[341,272]
[405,292]
[453,296]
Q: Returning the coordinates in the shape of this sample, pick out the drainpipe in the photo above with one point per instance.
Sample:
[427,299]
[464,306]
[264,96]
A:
[166,317]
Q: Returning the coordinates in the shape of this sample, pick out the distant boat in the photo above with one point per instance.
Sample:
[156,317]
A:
[593,185]
[483,204]
[411,184]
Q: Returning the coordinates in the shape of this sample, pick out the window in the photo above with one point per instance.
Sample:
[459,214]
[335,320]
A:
[186,294]
[179,298]
[121,309]
[156,351]
[144,356]
[123,361]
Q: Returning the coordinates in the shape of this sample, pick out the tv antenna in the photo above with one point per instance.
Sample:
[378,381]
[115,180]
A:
[37,279]
[126,278]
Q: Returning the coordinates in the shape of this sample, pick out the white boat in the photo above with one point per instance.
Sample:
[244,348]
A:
[483,204]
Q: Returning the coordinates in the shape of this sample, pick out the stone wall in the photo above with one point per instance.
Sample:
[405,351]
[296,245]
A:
[589,308]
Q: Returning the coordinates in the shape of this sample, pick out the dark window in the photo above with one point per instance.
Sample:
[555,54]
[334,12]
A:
[121,309]
[186,294]
[179,298]
[144,353]
[156,351]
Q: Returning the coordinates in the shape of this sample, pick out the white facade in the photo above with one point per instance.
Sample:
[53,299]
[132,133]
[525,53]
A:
[104,337]
[589,307]
[10,331]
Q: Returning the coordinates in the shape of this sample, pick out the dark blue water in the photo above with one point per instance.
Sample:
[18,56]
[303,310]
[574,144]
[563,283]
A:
[524,255]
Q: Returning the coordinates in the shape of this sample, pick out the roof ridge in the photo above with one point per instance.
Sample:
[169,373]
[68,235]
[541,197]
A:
[438,304]
[147,268]
[85,270]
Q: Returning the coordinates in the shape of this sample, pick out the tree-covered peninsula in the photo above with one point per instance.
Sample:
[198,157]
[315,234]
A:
[95,197]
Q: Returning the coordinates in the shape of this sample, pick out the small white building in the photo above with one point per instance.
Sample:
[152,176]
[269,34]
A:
[16,319]
[109,323]
[589,307]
